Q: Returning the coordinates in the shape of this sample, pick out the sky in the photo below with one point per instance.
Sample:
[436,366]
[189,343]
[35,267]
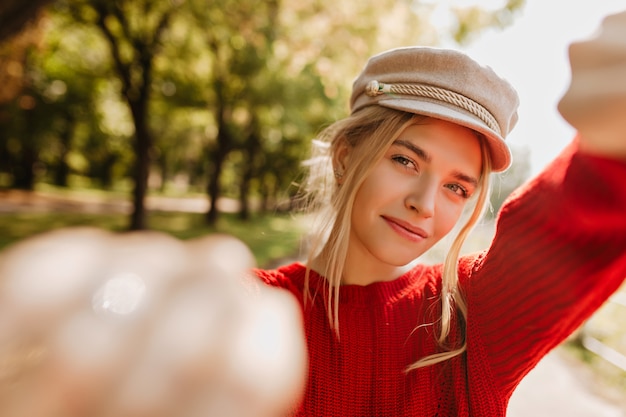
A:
[532,55]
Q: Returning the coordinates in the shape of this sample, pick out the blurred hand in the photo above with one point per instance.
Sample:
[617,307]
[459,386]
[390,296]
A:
[141,324]
[595,102]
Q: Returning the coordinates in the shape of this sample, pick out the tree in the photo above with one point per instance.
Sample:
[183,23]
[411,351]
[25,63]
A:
[16,14]
[235,88]
[18,152]
[238,46]
[71,70]
[133,30]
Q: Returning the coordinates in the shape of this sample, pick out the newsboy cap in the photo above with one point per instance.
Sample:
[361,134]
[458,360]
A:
[596,96]
[444,84]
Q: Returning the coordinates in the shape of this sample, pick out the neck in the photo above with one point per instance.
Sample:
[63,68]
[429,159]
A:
[358,271]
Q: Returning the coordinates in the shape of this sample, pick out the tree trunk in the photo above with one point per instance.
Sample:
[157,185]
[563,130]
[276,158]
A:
[105,173]
[214,189]
[62,168]
[23,172]
[223,146]
[165,172]
[142,146]
[244,199]
[24,169]
[253,147]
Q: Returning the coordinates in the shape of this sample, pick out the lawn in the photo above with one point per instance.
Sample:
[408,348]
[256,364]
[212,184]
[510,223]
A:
[271,237]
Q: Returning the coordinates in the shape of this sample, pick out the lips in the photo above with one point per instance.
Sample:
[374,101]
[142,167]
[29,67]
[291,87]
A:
[406,230]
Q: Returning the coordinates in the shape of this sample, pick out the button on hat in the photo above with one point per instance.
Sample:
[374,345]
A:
[445,84]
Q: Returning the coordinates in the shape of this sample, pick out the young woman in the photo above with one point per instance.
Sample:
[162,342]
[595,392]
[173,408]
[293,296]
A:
[388,336]
[96,324]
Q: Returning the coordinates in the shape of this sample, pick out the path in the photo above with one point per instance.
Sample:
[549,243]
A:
[18,200]
[558,387]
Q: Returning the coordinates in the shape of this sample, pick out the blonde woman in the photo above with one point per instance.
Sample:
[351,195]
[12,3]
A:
[388,336]
[101,324]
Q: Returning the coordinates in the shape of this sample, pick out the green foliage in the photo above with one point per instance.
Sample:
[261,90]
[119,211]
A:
[236,88]
[471,21]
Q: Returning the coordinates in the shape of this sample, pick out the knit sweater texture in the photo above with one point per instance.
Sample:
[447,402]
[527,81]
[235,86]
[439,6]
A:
[558,253]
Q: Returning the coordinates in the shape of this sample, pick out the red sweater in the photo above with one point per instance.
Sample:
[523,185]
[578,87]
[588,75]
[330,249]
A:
[558,254]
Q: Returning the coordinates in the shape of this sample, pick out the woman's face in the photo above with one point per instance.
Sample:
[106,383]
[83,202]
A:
[415,194]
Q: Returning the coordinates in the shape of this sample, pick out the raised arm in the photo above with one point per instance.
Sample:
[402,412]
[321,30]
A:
[560,245]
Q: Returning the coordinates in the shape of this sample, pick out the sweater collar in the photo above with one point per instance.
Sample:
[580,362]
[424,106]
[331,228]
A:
[411,283]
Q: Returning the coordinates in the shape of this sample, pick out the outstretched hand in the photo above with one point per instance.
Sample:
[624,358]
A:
[100,324]
[595,102]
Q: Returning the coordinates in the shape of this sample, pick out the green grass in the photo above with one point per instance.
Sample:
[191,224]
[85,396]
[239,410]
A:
[270,237]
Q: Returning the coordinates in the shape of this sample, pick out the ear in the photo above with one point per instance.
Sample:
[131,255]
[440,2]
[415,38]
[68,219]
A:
[341,158]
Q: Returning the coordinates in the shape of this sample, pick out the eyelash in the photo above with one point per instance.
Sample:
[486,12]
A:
[464,193]
[405,162]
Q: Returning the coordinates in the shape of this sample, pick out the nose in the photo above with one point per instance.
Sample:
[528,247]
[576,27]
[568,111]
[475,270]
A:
[422,197]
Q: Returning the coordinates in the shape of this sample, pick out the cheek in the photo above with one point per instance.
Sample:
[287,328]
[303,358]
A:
[448,214]
[365,204]
[377,188]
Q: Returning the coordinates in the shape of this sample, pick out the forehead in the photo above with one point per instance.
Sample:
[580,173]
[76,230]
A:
[442,142]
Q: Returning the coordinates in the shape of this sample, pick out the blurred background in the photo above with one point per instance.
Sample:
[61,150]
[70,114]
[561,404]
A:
[216,102]
[193,116]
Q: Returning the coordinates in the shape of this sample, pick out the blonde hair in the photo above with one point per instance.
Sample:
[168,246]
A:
[369,132]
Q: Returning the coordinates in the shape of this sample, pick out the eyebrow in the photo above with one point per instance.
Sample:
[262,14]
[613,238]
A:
[422,154]
[462,177]
[426,157]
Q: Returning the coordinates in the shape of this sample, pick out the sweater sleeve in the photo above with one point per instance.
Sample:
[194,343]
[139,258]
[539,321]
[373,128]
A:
[558,253]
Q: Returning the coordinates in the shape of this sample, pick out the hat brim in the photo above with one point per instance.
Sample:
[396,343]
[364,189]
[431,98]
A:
[498,150]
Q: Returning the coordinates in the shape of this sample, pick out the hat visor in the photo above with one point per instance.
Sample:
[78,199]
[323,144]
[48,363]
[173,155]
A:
[498,150]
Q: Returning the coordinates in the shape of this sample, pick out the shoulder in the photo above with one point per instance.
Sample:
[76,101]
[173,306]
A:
[468,265]
[285,276]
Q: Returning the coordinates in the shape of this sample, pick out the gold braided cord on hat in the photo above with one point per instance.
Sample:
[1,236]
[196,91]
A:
[374,88]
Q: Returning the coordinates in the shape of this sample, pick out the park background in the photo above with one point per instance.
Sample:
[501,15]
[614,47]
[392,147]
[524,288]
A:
[192,117]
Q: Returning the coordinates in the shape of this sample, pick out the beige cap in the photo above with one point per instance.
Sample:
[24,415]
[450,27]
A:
[445,84]
[596,97]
